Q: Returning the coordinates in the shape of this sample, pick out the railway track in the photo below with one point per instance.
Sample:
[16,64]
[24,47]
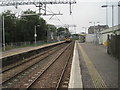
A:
[7,82]
[48,66]
[39,75]
[26,60]
[62,76]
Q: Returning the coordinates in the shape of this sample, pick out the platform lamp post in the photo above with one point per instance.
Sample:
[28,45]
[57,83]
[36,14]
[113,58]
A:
[3,34]
[35,34]
[95,31]
[3,26]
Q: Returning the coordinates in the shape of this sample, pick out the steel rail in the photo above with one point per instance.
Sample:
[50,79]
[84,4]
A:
[46,68]
[26,68]
[28,59]
[62,74]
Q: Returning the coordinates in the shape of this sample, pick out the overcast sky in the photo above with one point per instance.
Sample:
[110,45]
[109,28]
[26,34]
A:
[83,12]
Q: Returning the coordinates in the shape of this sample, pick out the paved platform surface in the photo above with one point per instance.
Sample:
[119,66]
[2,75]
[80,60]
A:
[25,49]
[99,70]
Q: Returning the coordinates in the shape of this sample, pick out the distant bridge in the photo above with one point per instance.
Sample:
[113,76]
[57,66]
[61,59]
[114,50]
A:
[66,26]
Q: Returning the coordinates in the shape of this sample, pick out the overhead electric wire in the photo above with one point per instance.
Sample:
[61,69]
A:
[56,16]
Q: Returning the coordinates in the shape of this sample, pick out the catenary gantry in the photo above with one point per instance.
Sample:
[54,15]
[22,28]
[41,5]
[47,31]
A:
[34,2]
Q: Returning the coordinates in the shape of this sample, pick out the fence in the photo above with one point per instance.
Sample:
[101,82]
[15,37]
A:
[114,46]
[9,46]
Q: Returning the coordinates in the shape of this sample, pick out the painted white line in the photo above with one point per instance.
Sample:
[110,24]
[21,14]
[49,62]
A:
[75,75]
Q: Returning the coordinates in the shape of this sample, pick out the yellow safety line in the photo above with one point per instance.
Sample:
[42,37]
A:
[96,78]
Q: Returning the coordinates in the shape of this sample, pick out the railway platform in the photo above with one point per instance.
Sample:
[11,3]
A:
[92,67]
[26,49]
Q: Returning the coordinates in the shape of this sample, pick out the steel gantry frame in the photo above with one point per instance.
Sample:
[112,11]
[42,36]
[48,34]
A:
[37,3]
[31,2]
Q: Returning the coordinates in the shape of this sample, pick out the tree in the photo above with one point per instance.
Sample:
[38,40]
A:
[51,32]
[27,24]
[67,33]
[51,27]
[63,31]
[26,27]
[22,29]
